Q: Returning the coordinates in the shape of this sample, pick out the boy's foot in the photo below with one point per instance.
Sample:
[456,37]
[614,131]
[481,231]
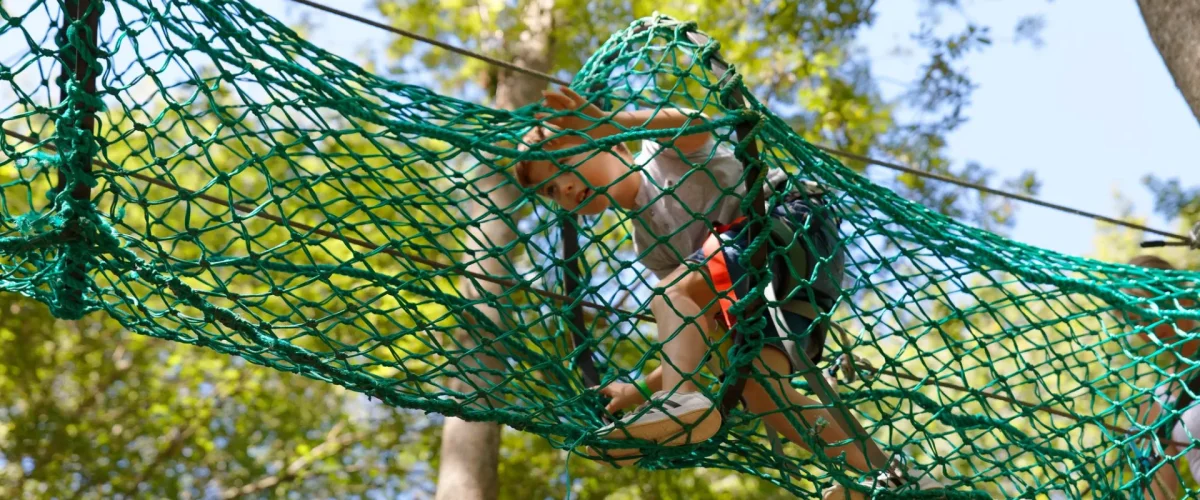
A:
[894,478]
[621,457]
[669,419]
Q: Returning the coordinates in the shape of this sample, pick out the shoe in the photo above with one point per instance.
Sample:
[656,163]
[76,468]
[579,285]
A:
[667,419]
[619,457]
[892,479]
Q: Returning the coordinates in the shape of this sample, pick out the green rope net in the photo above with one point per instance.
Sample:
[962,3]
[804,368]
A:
[202,174]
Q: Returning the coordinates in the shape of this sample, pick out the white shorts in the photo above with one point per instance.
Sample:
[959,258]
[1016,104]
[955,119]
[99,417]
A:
[1187,429]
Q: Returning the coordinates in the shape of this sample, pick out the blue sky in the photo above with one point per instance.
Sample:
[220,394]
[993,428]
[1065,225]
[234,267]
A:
[1091,111]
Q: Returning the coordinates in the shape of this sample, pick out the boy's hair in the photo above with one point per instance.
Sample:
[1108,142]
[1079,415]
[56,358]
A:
[521,173]
[1152,262]
[521,169]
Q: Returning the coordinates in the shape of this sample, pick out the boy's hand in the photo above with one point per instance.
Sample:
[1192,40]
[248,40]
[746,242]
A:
[623,396]
[552,140]
[568,100]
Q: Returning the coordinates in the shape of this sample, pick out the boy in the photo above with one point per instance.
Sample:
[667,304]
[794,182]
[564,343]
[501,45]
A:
[684,194]
[1165,483]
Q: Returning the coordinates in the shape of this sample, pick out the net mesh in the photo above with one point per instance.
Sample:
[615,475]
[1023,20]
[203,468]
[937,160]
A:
[201,173]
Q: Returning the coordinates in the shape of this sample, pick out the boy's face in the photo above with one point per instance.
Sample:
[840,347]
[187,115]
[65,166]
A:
[582,183]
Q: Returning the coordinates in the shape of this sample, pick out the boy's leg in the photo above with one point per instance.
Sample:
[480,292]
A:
[1187,431]
[1165,481]
[760,400]
[1165,484]
[678,414]
[773,365]
[685,321]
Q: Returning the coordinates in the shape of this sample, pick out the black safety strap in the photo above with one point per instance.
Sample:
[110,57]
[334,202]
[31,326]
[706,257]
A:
[756,225]
[734,394]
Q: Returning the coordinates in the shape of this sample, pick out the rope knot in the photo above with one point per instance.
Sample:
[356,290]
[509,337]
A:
[818,427]
[848,363]
[38,159]
[848,366]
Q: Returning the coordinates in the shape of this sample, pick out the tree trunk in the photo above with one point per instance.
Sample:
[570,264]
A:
[1175,29]
[470,452]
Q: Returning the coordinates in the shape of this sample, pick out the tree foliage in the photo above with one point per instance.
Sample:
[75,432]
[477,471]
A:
[801,58]
[88,410]
[1172,199]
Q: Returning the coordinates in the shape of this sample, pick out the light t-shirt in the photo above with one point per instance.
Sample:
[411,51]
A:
[678,195]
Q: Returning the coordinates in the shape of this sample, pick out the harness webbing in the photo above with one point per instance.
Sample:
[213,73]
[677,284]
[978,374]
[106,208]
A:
[756,176]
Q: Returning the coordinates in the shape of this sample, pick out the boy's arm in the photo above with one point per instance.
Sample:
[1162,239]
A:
[664,118]
[654,380]
[649,384]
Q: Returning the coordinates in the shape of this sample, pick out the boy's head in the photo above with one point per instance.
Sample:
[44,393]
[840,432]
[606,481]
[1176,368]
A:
[1152,262]
[1166,330]
[583,182]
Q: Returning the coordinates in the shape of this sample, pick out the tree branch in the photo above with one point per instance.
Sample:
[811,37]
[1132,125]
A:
[122,365]
[181,435]
[1174,27]
[628,292]
[333,444]
[173,448]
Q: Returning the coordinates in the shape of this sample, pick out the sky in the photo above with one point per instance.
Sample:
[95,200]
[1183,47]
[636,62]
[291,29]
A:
[1092,110]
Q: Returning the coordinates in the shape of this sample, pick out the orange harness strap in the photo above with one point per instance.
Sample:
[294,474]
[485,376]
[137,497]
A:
[718,270]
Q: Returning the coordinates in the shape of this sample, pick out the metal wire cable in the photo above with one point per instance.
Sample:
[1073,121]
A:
[890,165]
